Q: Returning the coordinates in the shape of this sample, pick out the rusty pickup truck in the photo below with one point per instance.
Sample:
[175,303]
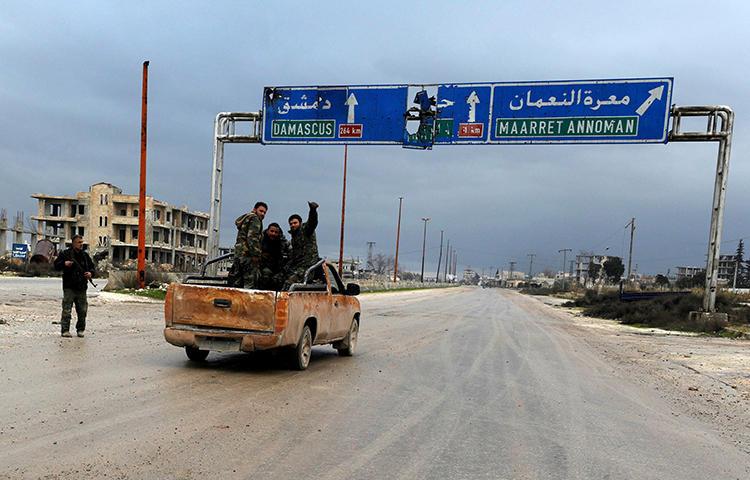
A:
[203,314]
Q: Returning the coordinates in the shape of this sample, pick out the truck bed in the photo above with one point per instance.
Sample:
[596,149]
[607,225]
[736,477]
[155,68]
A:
[222,307]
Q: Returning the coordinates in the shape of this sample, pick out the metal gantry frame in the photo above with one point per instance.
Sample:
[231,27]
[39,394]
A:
[225,131]
[719,125]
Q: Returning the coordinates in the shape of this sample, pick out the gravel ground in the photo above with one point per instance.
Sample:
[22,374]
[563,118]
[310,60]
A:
[30,307]
[458,383]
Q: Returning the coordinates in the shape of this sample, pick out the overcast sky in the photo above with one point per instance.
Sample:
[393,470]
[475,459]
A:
[70,84]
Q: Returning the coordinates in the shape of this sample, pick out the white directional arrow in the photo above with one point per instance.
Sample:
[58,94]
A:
[351,102]
[472,101]
[655,94]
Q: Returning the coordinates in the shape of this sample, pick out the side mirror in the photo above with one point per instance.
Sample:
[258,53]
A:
[352,289]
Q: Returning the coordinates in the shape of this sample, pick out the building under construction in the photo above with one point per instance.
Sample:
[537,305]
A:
[107,220]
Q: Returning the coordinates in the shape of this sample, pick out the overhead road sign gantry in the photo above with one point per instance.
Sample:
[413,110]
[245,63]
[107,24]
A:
[632,110]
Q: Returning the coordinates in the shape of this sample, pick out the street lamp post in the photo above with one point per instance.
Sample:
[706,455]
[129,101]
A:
[424,243]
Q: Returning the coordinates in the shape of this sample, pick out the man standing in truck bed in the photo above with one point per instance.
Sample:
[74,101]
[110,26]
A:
[274,258]
[245,271]
[304,245]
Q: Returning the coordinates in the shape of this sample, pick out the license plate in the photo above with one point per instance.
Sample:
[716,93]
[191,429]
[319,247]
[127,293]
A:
[218,344]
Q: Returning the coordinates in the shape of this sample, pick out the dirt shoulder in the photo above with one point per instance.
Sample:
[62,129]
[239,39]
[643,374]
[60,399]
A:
[704,377]
[30,314]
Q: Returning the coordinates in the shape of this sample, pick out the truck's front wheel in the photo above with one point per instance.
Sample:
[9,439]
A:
[196,354]
[302,352]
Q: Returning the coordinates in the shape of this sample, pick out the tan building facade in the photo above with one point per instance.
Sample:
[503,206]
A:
[108,221]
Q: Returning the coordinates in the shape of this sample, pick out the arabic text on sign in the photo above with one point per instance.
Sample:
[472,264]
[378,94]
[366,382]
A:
[286,107]
[577,97]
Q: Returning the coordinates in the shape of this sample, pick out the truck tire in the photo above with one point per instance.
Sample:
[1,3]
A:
[303,350]
[349,343]
[195,354]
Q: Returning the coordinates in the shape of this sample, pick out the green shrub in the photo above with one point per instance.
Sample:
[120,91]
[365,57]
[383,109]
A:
[668,312]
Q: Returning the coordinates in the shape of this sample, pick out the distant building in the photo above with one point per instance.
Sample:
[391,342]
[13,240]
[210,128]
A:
[687,272]
[727,265]
[582,263]
[470,277]
[108,221]
[350,268]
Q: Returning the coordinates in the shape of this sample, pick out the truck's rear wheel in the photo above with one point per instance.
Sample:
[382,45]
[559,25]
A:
[302,352]
[195,354]
[349,343]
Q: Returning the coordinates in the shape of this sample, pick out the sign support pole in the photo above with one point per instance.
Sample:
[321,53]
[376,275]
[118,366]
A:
[720,123]
[225,127]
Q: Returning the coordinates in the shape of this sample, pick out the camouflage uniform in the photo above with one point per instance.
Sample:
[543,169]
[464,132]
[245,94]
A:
[245,271]
[304,248]
[273,262]
[75,285]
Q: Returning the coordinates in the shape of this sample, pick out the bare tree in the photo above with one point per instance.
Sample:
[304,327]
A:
[381,263]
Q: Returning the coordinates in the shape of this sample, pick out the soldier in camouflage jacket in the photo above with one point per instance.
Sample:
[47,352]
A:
[245,271]
[304,244]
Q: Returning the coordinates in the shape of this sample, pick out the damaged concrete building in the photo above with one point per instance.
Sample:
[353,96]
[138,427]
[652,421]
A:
[108,221]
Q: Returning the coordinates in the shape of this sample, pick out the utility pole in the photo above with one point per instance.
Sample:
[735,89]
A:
[447,260]
[398,239]
[512,266]
[455,263]
[630,254]
[440,258]
[531,264]
[142,191]
[564,252]
[424,244]
[369,254]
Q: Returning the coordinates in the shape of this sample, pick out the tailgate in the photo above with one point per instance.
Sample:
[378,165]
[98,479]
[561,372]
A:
[230,308]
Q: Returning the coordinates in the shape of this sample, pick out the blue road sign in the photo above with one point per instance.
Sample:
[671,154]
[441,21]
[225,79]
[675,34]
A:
[576,111]
[19,250]
[587,111]
[334,115]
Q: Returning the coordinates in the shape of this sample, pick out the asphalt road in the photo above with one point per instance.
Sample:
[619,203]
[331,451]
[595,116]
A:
[464,383]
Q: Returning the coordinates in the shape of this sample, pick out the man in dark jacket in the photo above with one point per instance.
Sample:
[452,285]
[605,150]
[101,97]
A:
[274,258]
[245,271]
[78,269]
[304,244]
